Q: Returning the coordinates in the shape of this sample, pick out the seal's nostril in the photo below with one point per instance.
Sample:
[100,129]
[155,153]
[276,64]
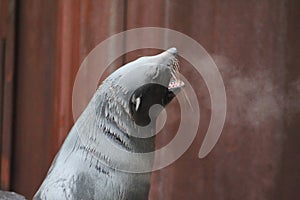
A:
[172,51]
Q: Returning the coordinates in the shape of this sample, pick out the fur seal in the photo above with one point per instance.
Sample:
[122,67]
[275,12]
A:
[116,120]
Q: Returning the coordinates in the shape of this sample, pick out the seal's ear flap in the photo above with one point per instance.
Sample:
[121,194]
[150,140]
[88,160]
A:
[136,101]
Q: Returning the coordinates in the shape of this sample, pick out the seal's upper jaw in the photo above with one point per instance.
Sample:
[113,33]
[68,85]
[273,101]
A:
[160,69]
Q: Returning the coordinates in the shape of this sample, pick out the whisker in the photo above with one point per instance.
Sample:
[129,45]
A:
[187,98]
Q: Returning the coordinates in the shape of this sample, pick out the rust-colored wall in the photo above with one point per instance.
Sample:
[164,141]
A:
[34,92]
[7,82]
[255,45]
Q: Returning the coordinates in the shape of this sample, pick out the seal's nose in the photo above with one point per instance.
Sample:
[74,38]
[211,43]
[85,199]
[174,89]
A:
[172,51]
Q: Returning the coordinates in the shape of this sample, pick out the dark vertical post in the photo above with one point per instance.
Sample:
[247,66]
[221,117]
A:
[34,103]
[7,67]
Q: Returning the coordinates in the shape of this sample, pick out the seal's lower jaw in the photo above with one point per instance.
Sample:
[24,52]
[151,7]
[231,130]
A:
[174,87]
[175,83]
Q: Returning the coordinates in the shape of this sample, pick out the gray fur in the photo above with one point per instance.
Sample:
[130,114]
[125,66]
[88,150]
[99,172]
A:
[85,167]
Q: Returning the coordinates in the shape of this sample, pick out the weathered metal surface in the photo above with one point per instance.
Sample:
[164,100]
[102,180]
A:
[255,45]
[7,61]
[34,103]
[248,40]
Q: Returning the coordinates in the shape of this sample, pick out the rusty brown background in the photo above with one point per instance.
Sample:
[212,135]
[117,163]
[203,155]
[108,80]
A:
[254,43]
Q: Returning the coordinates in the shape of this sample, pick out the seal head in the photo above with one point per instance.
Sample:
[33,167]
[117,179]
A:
[148,81]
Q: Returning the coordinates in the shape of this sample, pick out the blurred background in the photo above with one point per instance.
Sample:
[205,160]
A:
[255,44]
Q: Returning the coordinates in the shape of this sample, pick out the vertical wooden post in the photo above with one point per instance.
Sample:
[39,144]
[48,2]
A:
[7,62]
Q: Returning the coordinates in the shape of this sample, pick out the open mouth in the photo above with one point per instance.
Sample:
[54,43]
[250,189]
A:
[175,84]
